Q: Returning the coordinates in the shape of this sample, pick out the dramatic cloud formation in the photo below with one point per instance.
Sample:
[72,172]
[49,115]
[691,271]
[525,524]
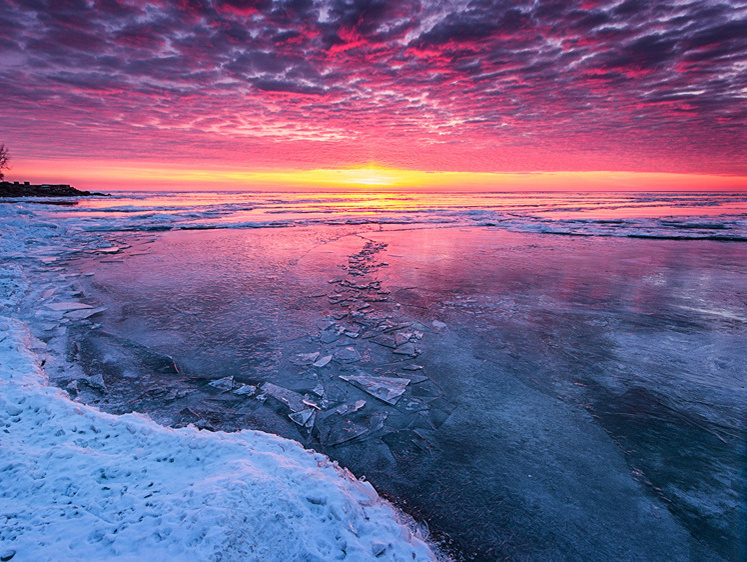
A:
[485,86]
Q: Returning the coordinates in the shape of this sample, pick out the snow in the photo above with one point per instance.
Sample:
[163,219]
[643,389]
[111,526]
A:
[77,483]
[80,484]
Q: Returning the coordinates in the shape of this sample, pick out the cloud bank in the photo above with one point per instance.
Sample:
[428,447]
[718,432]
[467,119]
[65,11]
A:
[465,86]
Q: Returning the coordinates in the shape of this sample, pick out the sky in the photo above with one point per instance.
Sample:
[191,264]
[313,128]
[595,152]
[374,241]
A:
[540,94]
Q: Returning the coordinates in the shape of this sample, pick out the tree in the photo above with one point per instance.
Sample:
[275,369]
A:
[4,160]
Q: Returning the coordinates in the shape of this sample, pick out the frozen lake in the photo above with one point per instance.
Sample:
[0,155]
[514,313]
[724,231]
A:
[525,392]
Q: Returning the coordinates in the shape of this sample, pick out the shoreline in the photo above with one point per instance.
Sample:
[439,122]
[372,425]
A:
[83,483]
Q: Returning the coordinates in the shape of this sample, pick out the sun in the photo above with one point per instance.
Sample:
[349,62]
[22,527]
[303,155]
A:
[370,176]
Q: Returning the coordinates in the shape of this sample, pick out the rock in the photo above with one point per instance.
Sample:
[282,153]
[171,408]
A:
[8,189]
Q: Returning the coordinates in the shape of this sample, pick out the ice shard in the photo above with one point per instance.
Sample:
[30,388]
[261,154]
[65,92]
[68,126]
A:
[304,418]
[225,384]
[387,389]
[305,358]
[65,306]
[348,355]
[245,390]
[322,361]
[345,431]
[406,349]
[293,400]
[84,313]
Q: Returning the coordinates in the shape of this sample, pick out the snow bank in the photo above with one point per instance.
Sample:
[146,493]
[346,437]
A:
[76,483]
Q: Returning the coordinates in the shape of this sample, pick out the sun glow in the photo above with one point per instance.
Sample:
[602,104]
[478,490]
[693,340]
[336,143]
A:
[141,176]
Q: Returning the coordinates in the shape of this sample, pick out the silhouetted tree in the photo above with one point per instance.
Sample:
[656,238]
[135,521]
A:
[4,160]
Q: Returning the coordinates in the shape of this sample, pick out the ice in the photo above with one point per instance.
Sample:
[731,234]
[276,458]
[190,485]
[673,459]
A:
[544,347]
[305,358]
[322,361]
[347,355]
[402,338]
[406,349]
[225,384]
[293,400]
[345,431]
[385,341]
[65,306]
[96,381]
[415,379]
[412,367]
[347,408]
[245,390]
[81,484]
[387,389]
[82,314]
[304,418]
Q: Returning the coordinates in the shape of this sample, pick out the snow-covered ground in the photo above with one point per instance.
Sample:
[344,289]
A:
[77,483]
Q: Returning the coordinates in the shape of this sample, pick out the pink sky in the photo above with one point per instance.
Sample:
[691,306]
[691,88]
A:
[115,94]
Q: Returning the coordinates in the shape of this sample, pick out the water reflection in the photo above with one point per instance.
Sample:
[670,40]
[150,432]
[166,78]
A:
[529,395]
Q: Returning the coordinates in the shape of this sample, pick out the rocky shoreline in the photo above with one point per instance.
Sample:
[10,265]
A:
[26,189]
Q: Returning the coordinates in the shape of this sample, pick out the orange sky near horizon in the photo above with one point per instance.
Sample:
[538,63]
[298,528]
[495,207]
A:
[134,176]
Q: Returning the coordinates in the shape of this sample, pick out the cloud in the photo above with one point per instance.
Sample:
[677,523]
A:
[638,85]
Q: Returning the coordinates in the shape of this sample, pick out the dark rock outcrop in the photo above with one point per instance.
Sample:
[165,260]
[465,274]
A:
[17,189]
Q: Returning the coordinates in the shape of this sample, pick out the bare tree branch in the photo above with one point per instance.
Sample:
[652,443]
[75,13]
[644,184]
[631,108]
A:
[4,160]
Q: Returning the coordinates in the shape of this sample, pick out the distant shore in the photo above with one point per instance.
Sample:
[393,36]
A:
[26,189]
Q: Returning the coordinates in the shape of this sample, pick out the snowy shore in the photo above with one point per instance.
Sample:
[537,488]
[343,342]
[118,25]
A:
[77,483]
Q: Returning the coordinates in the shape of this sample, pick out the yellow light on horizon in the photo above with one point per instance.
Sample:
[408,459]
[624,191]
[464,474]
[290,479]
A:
[101,175]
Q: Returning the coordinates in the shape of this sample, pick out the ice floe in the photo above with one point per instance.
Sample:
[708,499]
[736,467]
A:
[66,306]
[388,389]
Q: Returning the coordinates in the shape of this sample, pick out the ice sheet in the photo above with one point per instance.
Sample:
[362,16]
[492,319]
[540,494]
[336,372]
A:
[539,357]
[77,483]
[720,216]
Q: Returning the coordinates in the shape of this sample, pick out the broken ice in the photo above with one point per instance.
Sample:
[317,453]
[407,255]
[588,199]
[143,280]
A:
[387,389]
